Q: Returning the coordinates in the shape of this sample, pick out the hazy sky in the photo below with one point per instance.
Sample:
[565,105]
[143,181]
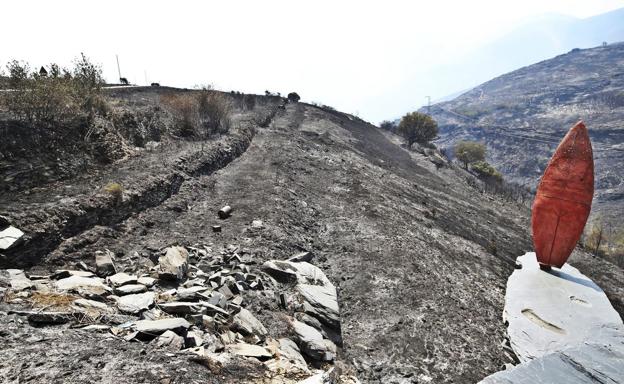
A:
[353,55]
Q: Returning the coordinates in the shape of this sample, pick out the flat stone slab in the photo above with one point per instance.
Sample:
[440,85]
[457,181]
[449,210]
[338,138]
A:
[593,362]
[162,325]
[550,311]
[562,327]
[10,237]
[249,350]
[135,303]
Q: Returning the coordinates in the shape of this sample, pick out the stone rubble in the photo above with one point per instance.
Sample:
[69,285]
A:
[195,300]
[104,265]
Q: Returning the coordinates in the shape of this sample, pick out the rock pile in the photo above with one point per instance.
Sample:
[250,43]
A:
[193,300]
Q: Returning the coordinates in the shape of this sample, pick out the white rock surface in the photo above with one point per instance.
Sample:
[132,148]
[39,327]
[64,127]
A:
[121,278]
[10,237]
[321,302]
[170,341]
[312,342]
[247,324]
[174,264]
[130,288]
[562,327]
[550,311]
[82,284]
[249,350]
[84,303]
[598,361]
[135,303]
[161,325]
[18,280]
[319,294]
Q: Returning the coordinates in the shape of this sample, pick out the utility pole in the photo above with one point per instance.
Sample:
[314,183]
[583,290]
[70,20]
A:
[428,105]
[118,70]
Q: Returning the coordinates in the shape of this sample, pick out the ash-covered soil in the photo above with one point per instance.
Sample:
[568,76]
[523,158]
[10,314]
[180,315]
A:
[419,258]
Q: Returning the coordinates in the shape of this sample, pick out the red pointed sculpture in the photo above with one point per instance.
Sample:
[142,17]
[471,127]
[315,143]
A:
[563,199]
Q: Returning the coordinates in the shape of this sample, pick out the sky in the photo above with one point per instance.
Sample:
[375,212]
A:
[376,59]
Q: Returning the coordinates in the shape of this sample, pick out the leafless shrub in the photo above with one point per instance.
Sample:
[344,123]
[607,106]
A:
[203,113]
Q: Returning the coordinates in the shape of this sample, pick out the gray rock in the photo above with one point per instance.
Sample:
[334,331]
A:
[84,303]
[290,351]
[245,323]
[83,285]
[147,281]
[301,272]
[257,224]
[586,363]
[64,273]
[280,270]
[174,264]
[175,324]
[312,342]
[193,293]
[104,265]
[321,302]
[194,339]
[18,280]
[218,299]
[135,303]
[170,341]
[181,307]
[46,317]
[249,350]
[550,311]
[10,237]
[121,278]
[302,256]
[4,222]
[213,309]
[130,288]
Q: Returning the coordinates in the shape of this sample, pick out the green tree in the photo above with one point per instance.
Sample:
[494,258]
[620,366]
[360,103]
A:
[486,171]
[417,127]
[469,152]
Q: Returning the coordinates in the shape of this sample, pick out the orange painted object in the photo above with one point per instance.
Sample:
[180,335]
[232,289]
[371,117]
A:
[563,199]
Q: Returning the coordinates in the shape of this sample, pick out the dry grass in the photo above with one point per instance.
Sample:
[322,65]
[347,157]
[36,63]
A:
[201,113]
[115,190]
[51,300]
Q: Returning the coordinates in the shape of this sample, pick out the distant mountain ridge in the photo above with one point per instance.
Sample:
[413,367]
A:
[523,115]
[539,39]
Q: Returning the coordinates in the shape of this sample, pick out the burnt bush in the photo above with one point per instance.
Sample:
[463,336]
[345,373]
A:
[54,97]
[199,114]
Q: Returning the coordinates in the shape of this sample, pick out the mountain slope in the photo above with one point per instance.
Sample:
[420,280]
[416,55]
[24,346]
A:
[522,115]
[419,257]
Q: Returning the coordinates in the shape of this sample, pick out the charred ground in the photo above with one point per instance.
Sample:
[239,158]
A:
[419,256]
